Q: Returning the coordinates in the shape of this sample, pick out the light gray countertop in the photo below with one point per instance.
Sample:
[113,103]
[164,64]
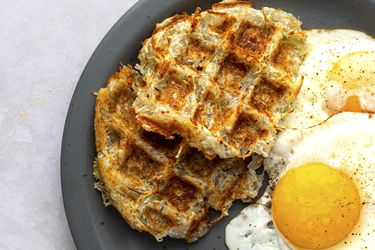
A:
[44,46]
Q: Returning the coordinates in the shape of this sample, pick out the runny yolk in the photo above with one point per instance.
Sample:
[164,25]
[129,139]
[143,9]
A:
[315,206]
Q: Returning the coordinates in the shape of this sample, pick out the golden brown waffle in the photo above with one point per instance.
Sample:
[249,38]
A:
[159,185]
[222,78]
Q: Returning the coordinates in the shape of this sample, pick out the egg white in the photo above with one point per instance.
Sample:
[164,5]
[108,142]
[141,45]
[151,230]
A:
[253,229]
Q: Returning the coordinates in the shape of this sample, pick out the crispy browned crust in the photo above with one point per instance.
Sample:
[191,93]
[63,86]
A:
[172,21]
[141,176]
[204,73]
[232,4]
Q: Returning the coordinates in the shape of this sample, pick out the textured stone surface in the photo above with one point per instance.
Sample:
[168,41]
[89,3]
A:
[44,46]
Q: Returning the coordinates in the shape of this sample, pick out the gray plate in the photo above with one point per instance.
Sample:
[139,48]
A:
[96,227]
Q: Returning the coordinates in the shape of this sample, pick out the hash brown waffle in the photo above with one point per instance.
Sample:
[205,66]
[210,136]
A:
[159,185]
[222,78]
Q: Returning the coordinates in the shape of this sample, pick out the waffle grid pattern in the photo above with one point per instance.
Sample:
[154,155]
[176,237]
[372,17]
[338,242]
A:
[159,185]
[222,79]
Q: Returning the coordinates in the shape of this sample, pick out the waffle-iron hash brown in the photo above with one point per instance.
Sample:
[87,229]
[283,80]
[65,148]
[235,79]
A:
[159,185]
[222,78]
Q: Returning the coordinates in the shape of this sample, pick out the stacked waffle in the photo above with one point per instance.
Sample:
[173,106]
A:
[180,137]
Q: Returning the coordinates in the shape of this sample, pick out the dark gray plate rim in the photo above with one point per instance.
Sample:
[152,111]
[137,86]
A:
[96,227]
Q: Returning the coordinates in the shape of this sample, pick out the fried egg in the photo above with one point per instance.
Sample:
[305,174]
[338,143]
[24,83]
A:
[339,75]
[323,181]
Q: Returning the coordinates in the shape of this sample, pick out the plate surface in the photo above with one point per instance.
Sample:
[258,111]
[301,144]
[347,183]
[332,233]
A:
[96,227]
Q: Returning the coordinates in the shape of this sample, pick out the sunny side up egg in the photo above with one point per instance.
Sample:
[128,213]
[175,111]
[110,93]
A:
[324,196]
[324,190]
[339,75]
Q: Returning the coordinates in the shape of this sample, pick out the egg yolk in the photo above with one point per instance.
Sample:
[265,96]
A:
[355,71]
[315,206]
[353,104]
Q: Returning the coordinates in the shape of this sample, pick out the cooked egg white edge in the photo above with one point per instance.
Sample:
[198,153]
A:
[253,229]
